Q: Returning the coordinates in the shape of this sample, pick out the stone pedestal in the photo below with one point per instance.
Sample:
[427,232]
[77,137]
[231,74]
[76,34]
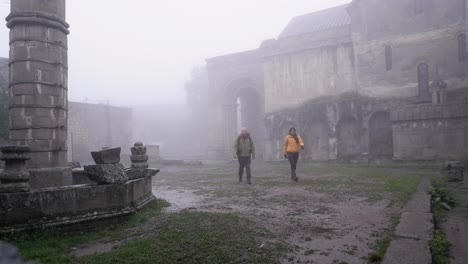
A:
[139,158]
[15,177]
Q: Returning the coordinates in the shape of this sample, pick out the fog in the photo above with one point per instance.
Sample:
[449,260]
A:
[141,52]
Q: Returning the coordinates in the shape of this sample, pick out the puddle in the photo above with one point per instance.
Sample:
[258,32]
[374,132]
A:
[178,198]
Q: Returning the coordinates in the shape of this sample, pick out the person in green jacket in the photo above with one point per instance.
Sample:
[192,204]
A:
[244,151]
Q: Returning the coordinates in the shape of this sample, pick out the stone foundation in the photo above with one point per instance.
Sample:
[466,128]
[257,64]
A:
[70,205]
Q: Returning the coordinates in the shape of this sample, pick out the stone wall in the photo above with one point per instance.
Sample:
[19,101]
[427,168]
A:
[430,132]
[293,78]
[345,127]
[94,126]
[232,77]
[406,36]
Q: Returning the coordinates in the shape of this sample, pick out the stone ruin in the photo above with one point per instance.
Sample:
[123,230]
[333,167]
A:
[37,188]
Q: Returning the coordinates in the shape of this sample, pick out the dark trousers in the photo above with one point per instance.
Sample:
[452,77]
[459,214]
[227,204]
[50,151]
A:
[244,162]
[293,157]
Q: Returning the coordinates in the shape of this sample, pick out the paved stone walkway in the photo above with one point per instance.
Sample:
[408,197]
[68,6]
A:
[414,231]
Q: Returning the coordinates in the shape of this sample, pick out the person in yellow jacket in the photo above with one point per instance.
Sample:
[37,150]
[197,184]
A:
[292,143]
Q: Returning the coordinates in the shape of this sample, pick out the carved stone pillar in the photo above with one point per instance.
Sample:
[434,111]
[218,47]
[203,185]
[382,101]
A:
[38,80]
[139,158]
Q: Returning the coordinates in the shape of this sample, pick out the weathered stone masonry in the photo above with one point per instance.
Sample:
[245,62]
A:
[339,76]
[38,80]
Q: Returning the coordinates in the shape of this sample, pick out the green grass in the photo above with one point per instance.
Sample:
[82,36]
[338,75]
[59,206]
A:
[383,242]
[442,201]
[149,211]
[373,182]
[439,248]
[53,246]
[184,237]
[197,237]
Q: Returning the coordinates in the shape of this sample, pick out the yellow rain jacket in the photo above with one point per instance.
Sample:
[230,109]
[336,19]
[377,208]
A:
[290,144]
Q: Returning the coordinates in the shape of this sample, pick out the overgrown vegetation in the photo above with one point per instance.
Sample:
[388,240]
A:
[197,237]
[151,210]
[442,201]
[439,248]
[383,242]
[52,246]
[184,237]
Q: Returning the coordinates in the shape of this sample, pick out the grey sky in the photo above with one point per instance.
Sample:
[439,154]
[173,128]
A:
[141,51]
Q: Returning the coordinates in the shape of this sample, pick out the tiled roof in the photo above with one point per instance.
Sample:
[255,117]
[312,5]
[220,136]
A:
[317,21]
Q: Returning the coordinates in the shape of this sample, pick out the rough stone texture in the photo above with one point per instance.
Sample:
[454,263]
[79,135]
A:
[72,204]
[50,177]
[106,156]
[141,173]
[408,251]
[106,173]
[139,158]
[416,226]
[420,203]
[14,177]
[428,132]
[79,176]
[9,255]
[38,80]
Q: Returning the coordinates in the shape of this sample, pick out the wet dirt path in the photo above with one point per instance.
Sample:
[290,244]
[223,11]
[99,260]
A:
[327,217]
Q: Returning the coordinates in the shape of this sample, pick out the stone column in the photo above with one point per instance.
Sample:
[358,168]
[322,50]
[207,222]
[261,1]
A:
[38,80]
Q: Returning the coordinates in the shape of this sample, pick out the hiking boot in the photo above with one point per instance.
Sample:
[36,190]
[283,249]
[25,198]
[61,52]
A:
[296,179]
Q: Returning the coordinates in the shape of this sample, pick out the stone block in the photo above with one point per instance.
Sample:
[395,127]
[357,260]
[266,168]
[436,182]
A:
[106,156]
[79,176]
[24,88]
[50,177]
[408,251]
[140,173]
[420,203]
[48,159]
[415,225]
[106,173]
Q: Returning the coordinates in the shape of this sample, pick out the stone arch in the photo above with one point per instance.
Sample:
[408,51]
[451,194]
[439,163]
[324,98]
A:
[380,135]
[317,140]
[243,102]
[349,136]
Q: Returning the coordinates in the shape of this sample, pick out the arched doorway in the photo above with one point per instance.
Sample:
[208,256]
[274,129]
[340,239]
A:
[380,135]
[248,111]
[348,133]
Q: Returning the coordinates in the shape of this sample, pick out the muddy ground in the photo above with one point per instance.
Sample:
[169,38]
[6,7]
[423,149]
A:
[334,214]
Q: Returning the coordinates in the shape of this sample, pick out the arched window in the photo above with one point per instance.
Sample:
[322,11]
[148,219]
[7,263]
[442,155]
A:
[388,58]
[462,54]
[418,6]
[423,79]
